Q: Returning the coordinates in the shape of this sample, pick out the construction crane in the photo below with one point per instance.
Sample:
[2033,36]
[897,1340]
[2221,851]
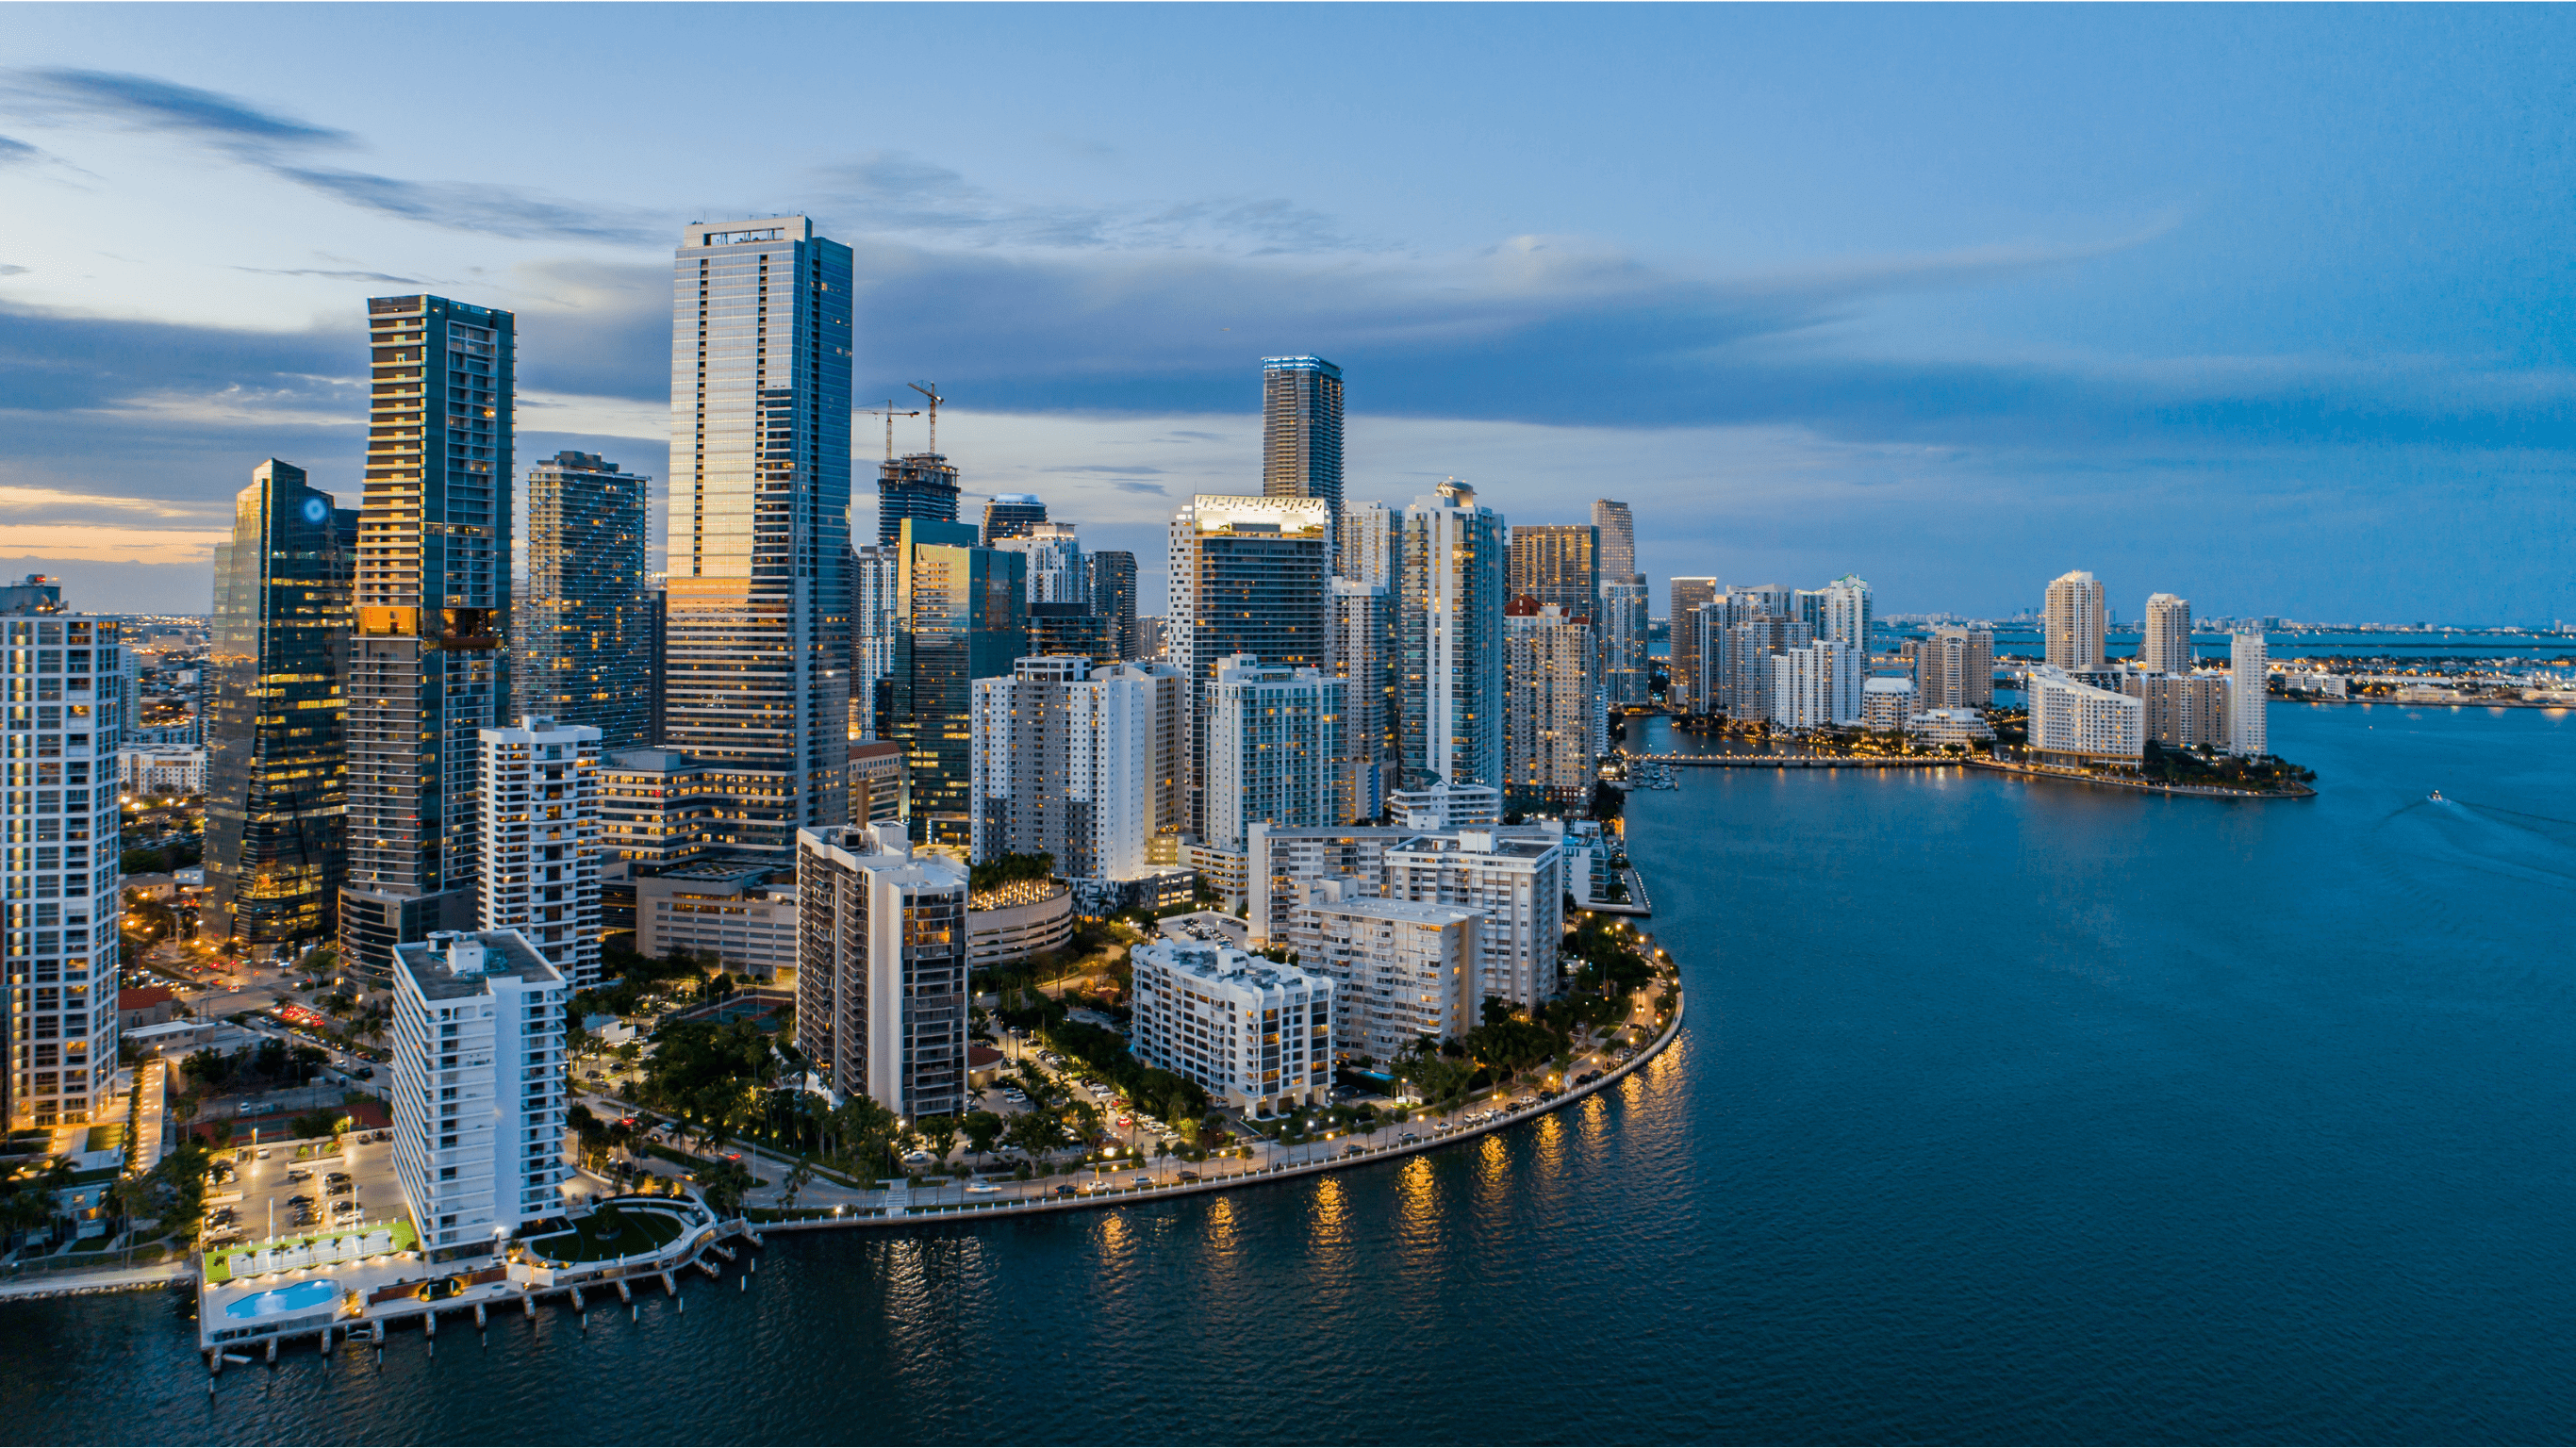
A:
[931,391]
[889,414]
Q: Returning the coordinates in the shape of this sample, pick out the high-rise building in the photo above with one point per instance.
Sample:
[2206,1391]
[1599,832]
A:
[1248,576]
[542,841]
[1064,766]
[1372,547]
[1954,668]
[960,615]
[2072,722]
[1847,615]
[1553,729]
[276,754]
[478,1086]
[758,651]
[1751,659]
[875,577]
[1814,685]
[1301,431]
[655,808]
[59,876]
[1070,629]
[1516,881]
[1450,639]
[1014,515]
[1886,703]
[2165,646]
[1618,538]
[1256,1035]
[881,992]
[2249,685]
[1401,969]
[1626,668]
[916,485]
[1273,750]
[586,622]
[1055,571]
[1363,653]
[2074,622]
[1689,693]
[1113,597]
[2183,711]
[657,613]
[427,665]
[1168,784]
[1557,563]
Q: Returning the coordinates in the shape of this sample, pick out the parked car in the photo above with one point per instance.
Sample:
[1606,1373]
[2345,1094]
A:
[1188,1175]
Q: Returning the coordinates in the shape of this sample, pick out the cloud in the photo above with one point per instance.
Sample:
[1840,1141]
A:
[894,193]
[345,276]
[279,145]
[15,152]
[1101,468]
[9,270]
[1128,487]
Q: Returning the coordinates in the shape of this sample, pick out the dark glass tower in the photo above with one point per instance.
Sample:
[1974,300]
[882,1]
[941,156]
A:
[427,669]
[960,615]
[917,485]
[1301,431]
[276,747]
[1011,515]
[589,656]
[1113,597]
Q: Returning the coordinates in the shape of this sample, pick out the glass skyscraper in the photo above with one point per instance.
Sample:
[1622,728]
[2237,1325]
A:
[960,615]
[1558,563]
[1113,596]
[1449,649]
[587,628]
[1248,576]
[1012,515]
[916,485]
[1301,431]
[276,740]
[756,663]
[427,669]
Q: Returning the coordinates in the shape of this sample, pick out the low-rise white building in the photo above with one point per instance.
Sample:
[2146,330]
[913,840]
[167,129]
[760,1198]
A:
[163,769]
[478,1085]
[1400,970]
[730,911]
[1942,728]
[1447,807]
[1885,704]
[1257,1036]
[2075,723]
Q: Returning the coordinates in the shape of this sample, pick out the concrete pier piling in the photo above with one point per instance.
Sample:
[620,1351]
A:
[670,1288]
[480,1321]
[624,1292]
[272,1352]
[429,1323]
[576,1302]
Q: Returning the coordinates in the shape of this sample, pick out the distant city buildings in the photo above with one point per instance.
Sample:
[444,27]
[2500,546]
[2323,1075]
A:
[1954,668]
[963,617]
[1113,597]
[479,1074]
[919,486]
[1248,576]
[1064,766]
[1363,652]
[2249,664]
[586,626]
[1886,703]
[1816,685]
[1301,432]
[1688,596]
[1012,515]
[275,759]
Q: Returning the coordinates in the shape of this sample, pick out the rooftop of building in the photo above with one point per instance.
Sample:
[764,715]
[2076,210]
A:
[650,761]
[1478,842]
[1414,912]
[433,963]
[1224,963]
[143,998]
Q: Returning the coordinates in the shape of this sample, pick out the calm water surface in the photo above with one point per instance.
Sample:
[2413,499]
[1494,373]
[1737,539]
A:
[2007,1112]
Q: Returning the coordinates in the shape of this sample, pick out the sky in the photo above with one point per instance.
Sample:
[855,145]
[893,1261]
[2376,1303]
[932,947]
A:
[2270,307]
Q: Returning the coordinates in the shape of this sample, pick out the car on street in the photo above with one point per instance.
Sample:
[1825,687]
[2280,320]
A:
[981,1188]
[1064,1191]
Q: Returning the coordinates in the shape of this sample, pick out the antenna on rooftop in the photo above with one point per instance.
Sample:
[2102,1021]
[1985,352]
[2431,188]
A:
[931,391]
[889,414]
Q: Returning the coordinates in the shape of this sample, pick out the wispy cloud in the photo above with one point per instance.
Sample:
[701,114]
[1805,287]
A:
[283,147]
[894,193]
[14,152]
[343,276]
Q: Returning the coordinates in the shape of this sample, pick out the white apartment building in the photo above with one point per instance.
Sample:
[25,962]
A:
[1256,1035]
[1056,573]
[62,719]
[1885,704]
[1274,744]
[732,912]
[881,968]
[541,841]
[478,1085]
[2165,645]
[1955,669]
[2074,622]
[1064,764]
[1942,728]
[1363,633]
[1815,685]
[1847,613]
[2248,705]
[1400,970]
[163,769]
[1516,882]
[1449,606]
[1554,726]
[1447,807]
[2076,723]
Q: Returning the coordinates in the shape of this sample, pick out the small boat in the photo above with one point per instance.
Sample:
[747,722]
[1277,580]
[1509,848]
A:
[2435,797]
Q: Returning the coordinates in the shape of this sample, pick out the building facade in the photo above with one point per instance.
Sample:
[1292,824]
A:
[2164,647]
[586,627]
[1363,653]
[1064,766]
[960,615]
[427,668]
[1372,545]
[1301,432]
[1449,683]
[757,636]
[479,1072]
[1626,670]
[1257,1036]
[1885,704]
[1618,538]
[655,807]
[1955,669]
[59,875]
[1689,694]
[1846,613]
[1274,748]
[1113,597]
[1554,731]
[1012,515]
[2072,722]
[541,831]
[1816,685]
[875,583]
[1248,576]
[881,972]
[921,486]
[1401,971]
[2248,691]
[1557,563]
[2074,622]
[2183,711]
[275,763]
[738,915]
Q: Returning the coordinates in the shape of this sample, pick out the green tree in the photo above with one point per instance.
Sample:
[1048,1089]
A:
[724,1182]
[983,1129]
[939,1133]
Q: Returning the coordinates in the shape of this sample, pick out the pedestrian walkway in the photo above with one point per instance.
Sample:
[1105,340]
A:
[152,1083]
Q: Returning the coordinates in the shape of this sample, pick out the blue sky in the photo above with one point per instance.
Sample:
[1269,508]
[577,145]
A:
[2268,307]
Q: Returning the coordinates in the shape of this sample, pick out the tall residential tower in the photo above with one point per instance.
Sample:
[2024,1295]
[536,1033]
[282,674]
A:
[587,625]
[1301,431]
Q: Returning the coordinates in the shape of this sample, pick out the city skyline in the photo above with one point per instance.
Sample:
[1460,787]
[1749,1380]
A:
[1866,373]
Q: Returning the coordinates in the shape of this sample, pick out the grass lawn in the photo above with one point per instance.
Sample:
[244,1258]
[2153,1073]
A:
[607,1234]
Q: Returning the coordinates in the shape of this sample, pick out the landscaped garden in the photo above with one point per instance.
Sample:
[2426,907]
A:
[607,1234]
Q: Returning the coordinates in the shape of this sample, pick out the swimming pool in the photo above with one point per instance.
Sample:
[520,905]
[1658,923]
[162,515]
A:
[294,1297]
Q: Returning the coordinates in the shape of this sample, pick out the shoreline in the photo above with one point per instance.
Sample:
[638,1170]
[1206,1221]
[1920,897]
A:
[2189,791]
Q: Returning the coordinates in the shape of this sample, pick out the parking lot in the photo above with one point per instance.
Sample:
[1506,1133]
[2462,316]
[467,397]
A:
[267,1177]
